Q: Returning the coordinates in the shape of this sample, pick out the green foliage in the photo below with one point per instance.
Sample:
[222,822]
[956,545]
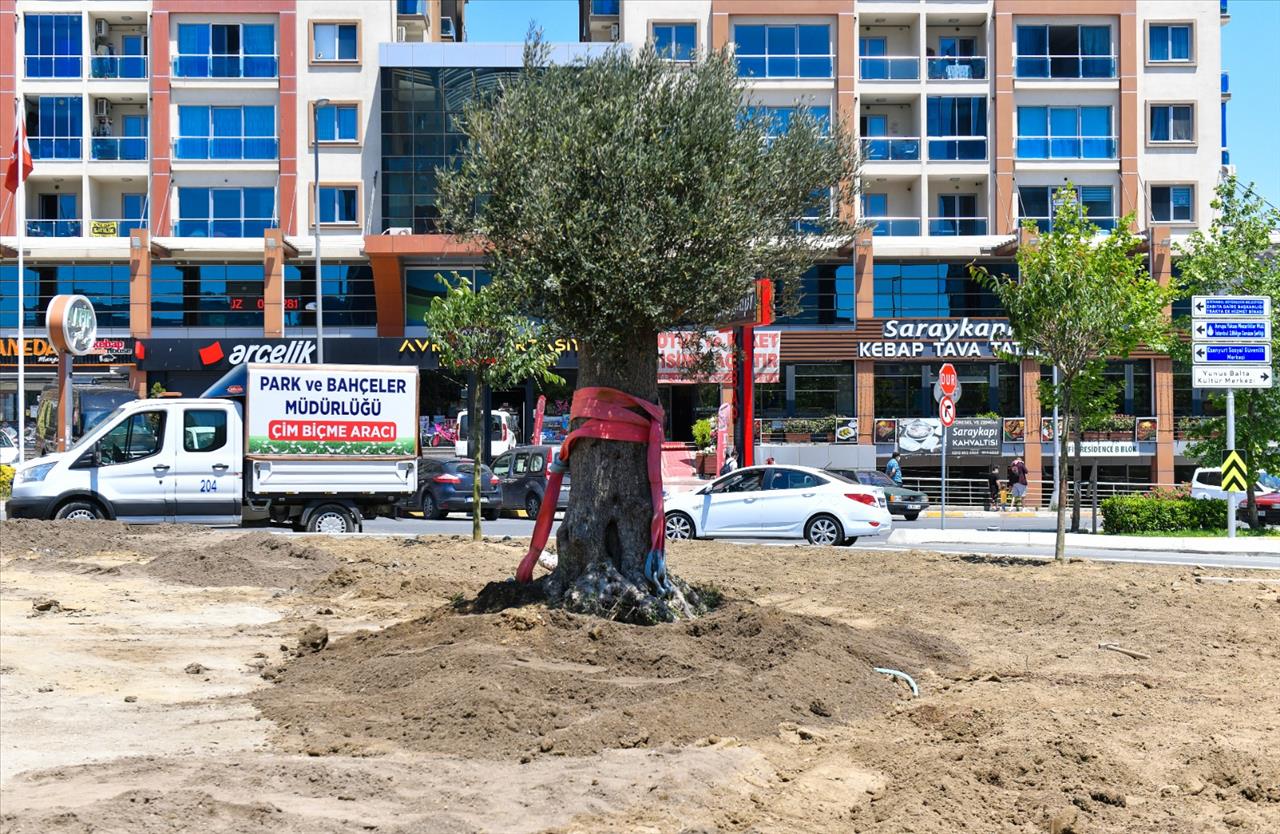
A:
[703,434]
[1236,257]
[629,195]
[261,445]
[6,481]
[157,390]
[1126,514]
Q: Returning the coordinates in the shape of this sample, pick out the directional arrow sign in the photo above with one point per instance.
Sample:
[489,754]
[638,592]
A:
[1231,376]
[1230,306]
[1233,330]
[1235,477]
[1213,353]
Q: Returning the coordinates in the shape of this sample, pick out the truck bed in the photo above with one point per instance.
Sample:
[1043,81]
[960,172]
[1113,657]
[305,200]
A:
[280,476]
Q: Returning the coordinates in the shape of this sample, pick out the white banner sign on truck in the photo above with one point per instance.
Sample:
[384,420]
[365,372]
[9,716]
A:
[332,411]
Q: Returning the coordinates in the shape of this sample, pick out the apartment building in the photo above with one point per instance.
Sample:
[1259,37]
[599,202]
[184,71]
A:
[971,113]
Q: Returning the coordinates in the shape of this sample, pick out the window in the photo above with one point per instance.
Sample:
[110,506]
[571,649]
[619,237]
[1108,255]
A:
[133,213]
[339,204]
[137,436]
[1169,43]
[335,42]
[675,41]
[57,215]
[958,60]
[827,296]
[794,479]
[875,205]
[422,285]
[1065,133]
[521,464]
[823,390]
[226,50]
[750,480]
[957,116]
[1040,203]
[348,295]
[1172,123]
[802,51]
[226,132]
[225,212]
[1064,52]
[53,45]
[55,127]
[1171,203]
[778,119]
[957,215]
[928,289]
[338,123]
[501,466]
[875,65]
[537,462]
[204,430]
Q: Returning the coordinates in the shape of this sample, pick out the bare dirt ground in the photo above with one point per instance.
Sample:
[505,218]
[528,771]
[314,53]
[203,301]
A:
[172,688]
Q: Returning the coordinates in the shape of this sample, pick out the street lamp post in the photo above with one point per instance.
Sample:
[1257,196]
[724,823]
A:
[315,220]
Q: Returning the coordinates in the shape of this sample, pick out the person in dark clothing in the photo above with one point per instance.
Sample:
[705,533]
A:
[993,488]
[1017,481]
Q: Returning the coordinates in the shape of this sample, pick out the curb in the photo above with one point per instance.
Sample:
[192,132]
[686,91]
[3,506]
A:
[1214,546]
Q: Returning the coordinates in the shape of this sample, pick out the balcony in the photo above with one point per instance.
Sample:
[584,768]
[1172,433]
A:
[1226,86]
[118,66]
[889,68]
[248,148]
[118,148]
[1067,147]
[891,149]
[972,68]
[605,8]
[958,148]
[1066,66]
[53,228]
[411,8]
[55,147]
[115,228]
[225,66]
[229,227]
[957,226]
[894,226]
[1045,224]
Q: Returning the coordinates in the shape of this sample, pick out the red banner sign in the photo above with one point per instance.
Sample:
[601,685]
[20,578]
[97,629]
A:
[678,353]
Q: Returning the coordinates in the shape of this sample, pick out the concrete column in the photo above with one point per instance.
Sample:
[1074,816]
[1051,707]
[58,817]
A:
[1162,384]
[273,257]
[1005,210]
[140,284]
[864,280]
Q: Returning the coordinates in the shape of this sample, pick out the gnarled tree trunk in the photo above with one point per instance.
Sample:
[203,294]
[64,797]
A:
[604,540]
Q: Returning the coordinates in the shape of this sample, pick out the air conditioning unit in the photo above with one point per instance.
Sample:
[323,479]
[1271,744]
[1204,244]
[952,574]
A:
[101,107]
[446,29]
[401,33]
[613,32]
[399,230]
[101,28]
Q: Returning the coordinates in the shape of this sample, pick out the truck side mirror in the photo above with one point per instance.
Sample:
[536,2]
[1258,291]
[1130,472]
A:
[95,455]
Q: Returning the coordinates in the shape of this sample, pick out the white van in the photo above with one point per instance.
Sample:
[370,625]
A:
[504,433]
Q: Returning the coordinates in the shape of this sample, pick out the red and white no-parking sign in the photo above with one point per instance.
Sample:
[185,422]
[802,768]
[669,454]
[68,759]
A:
[947,411]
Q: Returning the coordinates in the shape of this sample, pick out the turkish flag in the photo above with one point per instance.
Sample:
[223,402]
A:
[21,156]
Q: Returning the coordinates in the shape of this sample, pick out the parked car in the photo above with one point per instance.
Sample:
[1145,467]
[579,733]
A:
[908,503]
[8,449]
[89,405]
[780,502]
[1268,508]
[504,433]
[445,486]
[1206,482]
[523,472]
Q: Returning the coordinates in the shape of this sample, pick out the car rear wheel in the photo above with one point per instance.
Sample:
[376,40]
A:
[533,505]
[679,527]
[911,516]
[824,531]
[492,515]
[331,518]
[79,511]
[430,509]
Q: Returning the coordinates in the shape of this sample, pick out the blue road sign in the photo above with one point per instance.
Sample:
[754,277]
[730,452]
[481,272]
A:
[1233,330]
[1213,353]
[1230,306]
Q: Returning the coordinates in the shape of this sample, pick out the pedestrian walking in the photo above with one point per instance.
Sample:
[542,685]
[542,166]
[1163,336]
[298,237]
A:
[894,468]
[1017,481]
[993,488]
[730,463]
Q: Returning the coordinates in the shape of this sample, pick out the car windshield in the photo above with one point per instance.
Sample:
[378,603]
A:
[1268,480]
[109,419]
[4,440]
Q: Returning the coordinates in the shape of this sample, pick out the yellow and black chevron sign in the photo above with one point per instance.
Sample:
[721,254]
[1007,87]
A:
[1235,478]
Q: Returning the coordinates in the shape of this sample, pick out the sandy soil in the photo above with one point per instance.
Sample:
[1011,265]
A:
[765,716]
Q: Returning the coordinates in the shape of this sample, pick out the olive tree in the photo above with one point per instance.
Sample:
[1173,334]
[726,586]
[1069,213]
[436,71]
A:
[620,197]
[1079,297]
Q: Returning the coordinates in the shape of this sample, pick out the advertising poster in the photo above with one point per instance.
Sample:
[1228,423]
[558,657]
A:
[974,436]
[679,352]
[1144,430]
[1015,430]
[921,435]
[847,431]
[334,411]
[885,431]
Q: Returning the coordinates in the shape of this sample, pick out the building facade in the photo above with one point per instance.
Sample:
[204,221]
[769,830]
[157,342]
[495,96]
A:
[174,184]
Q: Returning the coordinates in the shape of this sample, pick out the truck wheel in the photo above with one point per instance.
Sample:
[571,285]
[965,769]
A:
[79,511]
[331,518]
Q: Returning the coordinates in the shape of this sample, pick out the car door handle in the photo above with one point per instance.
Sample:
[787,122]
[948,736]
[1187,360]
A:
[161,467]
[220,467]
[808,494]
[748,500]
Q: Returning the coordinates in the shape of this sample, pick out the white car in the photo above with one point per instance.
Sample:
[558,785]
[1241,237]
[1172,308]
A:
[8,450]
[789,502]
[1207,483]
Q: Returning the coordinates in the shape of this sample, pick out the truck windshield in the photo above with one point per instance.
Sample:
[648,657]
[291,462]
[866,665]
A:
[108,419]
[97,405]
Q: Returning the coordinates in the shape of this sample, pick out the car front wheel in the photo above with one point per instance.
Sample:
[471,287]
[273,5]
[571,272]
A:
[679,527]
[533,505]
[824,531]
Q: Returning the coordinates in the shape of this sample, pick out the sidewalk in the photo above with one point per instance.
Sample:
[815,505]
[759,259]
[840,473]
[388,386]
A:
[1247,545]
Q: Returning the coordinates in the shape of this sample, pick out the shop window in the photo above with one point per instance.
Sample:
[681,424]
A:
[899,390]
[828,295]
[823,390]
[929,289]
[422,285]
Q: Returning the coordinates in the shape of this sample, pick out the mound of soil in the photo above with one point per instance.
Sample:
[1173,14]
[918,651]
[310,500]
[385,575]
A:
[533,680]
[258,559]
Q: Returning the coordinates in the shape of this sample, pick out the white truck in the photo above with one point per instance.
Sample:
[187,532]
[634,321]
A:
[319,447]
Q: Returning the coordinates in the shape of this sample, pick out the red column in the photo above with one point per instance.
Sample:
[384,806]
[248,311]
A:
[747,454]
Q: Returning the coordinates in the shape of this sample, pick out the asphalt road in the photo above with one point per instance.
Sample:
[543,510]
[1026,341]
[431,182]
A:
[459,525]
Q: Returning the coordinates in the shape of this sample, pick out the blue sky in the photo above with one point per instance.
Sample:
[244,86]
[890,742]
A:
[1248,44]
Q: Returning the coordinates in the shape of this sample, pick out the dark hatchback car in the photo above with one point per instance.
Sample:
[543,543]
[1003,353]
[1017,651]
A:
[523,472]
[445,486]
[908,503]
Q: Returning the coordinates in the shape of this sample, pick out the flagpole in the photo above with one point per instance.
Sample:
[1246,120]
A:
[20,198]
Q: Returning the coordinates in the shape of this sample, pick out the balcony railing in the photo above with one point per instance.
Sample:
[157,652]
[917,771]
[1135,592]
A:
[412,7]
[215,147]
[960,148]
[115,228]
[957,226]
[1226,84]
[1065,66]
[55,147]
[891,149]
[118,66]
[1045,224]
[605,8]
[957,68]
[1066,147]
[229,227]
[53,228]
[886,68]
[894,226]
[53,66]
[225,66]
[111,148]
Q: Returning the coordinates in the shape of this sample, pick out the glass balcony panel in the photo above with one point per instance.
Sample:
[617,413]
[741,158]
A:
[957,226]
[110,148]
[118,66]
[966,149]
[889,69]
[957,68]
[605,7]
[411,7]
[53,228]
[225,66]
[54,147]
[894,226]
[891,149]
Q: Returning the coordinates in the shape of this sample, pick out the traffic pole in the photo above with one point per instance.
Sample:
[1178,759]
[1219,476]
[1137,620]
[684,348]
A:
[1231,445]
[942,520]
